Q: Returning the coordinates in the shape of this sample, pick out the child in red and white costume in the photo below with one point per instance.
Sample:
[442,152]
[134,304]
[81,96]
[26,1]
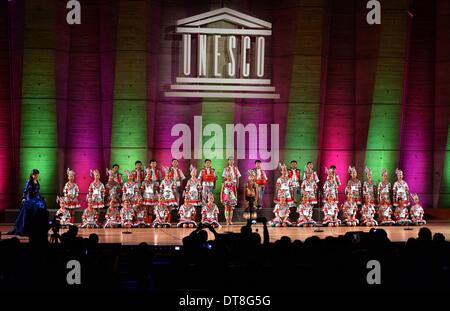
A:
[416,211]
[309,188]
[368,213]
[233,171]
[127,214]
[207,177]
[141,216]
[281,211]
[112,216]
[294,175]
[384,187]
[155,173]
[400,190]
[385,211]
[63,214]
[210,213]
[330,210]
[167,189]
[187,214]
[284,186]
[162,213]
[116,175]
[131,191]
[138,173]
[149,193]
[228,197]
[354,185]
[90,217]
[71,191]
[350,210]
[330,186]
[369,187]
[305,211]
[261,182]
[193,188]
[177,175]
[401,214]
[309,169]
[96,190]
[113,190]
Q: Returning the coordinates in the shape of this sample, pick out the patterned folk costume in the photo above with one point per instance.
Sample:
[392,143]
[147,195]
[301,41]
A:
[131,191]
[310,170]
[207,177]
[401,215]
[417,211]
[63,214]
[149,189]
[261,182]
[161,212]
[281,212]
[113,190]
[228,197]
[194,188]
[96,190]
[284,186]
[369,188]
[331,186]
[305,211]
[138,175]
[368,214]
[187,214]
[71,191]
[127,215]
[234,173]
[210,213]
[354,186]
[167,190]
[155,175]
[294,175]
[140,215]
[228,194]
[116,176]
[384,187]
[112,218]
[330,213]
[350,209]
[400,190]
[89,218]
[385,212]
[309,188]
[177,175]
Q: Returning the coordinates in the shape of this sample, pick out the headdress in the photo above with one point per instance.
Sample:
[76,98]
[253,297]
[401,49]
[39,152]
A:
[70,172]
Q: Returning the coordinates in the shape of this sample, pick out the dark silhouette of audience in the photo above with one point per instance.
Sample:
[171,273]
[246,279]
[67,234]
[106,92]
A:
[231,261]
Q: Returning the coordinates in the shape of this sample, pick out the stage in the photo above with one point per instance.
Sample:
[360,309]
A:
[174,236]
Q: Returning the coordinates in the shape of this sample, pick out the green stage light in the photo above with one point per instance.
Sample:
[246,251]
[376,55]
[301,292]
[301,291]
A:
[129,120]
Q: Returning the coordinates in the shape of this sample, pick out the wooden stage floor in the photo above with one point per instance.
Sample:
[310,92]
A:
[174,236]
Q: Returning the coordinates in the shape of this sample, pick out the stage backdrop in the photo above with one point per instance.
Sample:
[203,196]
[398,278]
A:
[89,95]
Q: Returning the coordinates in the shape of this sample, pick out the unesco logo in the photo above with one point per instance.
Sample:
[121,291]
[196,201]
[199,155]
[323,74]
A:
[230,62]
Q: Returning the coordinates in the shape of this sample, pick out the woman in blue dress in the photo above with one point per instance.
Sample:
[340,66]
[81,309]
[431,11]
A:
[32,204]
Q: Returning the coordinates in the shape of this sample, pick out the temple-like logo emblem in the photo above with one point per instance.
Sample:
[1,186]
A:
[223,56]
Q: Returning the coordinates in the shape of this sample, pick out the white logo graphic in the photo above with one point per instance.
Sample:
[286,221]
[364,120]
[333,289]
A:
[74,275]
[374,15]
[236,56]
[74,15]
[215,148]
[374,275]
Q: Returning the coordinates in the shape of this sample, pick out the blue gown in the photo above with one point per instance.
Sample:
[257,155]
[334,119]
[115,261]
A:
[32,203]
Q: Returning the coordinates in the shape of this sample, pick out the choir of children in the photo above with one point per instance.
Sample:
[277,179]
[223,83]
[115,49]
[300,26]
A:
[147,199]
